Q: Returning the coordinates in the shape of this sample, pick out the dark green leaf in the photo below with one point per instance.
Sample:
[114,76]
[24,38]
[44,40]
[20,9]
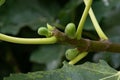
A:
[112,23]
[87,71]
[111,58]
[51,55]
[33,13]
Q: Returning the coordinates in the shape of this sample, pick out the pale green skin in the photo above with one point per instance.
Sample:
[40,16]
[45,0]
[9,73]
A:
[43,31]
[71,53]
[70,30]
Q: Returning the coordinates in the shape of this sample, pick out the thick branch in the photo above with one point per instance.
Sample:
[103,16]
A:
[86,44]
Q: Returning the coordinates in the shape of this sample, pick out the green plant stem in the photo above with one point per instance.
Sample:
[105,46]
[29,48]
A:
[82,21]
[79,32]
[95,23]
[78,58]
[50,40]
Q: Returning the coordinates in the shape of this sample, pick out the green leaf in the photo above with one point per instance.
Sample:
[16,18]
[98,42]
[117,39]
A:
[32,13]
[112,25]
[88,24]
[50,55]
[87,71]
[112,22]
[112,58]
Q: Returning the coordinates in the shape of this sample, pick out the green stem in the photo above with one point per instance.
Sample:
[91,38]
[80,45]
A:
[50,40]
[78,58]
[82,21]
[95,23]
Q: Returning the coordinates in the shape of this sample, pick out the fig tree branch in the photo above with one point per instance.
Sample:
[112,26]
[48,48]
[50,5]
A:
[87,44]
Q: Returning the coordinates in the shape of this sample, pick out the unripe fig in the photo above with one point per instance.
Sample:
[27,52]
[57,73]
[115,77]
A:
[71,53]
[70,30]
[43,31]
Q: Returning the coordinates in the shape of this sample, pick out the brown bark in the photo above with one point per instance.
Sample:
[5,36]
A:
[86,44]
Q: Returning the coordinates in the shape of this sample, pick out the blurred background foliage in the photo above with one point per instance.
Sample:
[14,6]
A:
[22,18]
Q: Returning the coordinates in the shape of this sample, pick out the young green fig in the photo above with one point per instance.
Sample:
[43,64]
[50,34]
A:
[70,30]
[43,31]
[71,53]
